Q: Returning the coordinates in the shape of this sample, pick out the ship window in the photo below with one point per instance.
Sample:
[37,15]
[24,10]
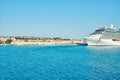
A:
[114,39]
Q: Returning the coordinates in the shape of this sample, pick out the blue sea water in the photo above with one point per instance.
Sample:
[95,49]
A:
[59,63]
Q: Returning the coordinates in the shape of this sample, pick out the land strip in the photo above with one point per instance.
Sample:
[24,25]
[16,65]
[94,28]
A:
[24,40]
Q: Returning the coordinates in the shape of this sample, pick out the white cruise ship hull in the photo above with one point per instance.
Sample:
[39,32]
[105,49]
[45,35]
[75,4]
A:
[97,41]
[107,36]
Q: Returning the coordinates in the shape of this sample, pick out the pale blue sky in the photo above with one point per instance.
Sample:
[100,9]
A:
[56,18]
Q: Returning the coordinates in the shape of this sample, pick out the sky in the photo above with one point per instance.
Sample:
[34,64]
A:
[72,19]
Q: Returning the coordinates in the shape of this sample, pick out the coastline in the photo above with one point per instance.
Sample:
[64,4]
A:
[37,41]
[43,44]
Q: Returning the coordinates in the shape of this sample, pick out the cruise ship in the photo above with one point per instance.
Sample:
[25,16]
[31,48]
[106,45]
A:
[104,36]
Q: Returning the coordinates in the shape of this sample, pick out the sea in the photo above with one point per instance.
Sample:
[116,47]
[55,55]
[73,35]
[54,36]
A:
[59,63]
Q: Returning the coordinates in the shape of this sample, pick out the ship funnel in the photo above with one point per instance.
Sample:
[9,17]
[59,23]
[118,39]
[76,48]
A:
[111,26]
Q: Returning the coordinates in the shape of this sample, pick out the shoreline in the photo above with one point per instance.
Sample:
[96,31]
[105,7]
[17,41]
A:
[58,44]
[43,45]
[33,41]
